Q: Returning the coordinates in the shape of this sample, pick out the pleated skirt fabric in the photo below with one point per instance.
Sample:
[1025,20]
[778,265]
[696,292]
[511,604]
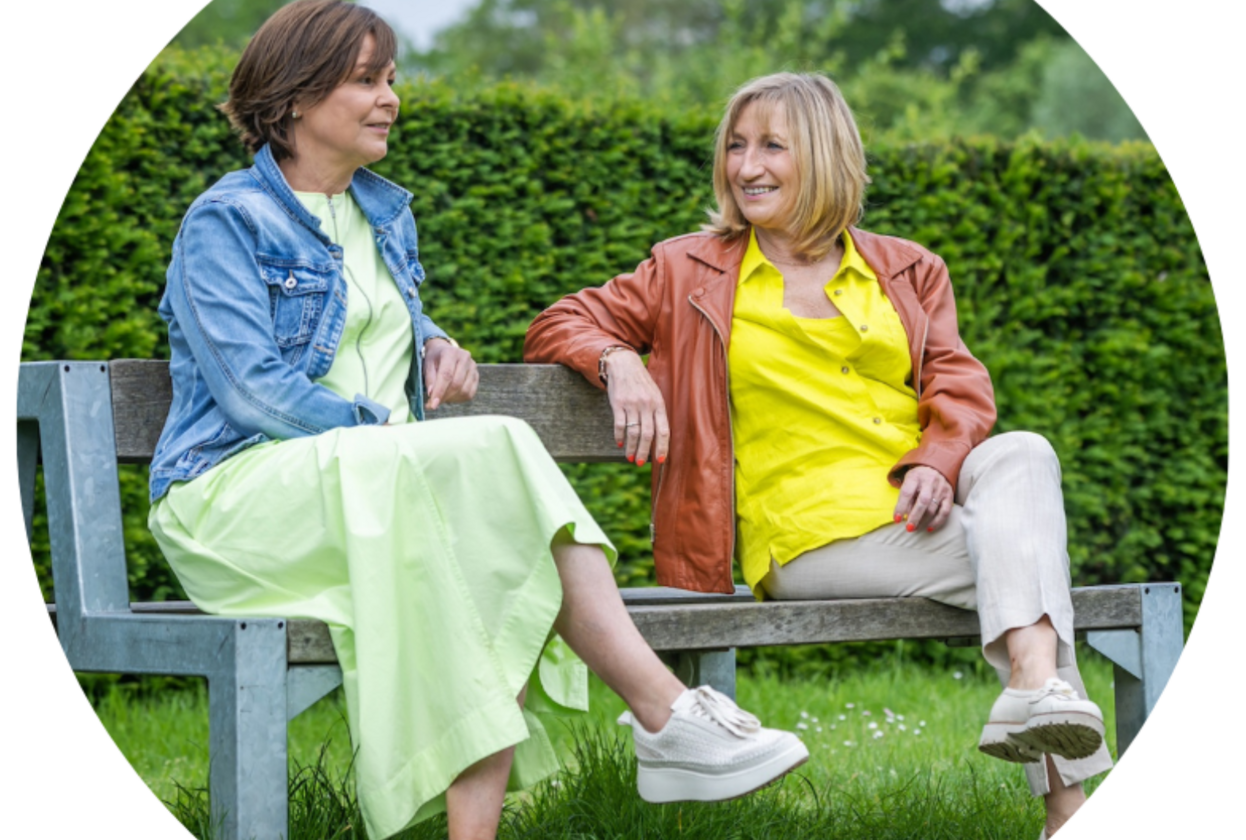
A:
[425,547]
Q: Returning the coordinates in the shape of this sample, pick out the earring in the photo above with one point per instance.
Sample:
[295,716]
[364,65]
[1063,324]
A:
[294,115]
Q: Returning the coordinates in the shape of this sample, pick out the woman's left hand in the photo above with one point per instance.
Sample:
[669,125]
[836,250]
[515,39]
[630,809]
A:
[925,499]
[450,374]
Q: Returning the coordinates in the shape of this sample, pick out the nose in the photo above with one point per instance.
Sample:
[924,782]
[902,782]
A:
[750,163]
[389,99]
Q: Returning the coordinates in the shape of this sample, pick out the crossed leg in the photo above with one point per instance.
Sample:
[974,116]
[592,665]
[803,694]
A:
[595,624]
[1002,553]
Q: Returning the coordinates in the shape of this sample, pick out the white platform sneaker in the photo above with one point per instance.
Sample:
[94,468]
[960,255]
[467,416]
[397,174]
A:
[709,750]
[1024,725]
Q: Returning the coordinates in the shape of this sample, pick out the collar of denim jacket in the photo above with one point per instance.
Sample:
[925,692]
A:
[380,200]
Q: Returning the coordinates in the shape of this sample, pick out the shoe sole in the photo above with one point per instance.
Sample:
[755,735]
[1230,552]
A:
[997,741]
[1067,734]
[678,784]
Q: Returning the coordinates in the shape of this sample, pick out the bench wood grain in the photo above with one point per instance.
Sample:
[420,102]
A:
[572,418]
[714,622]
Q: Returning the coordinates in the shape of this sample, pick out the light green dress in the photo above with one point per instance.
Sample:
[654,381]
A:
[424,546]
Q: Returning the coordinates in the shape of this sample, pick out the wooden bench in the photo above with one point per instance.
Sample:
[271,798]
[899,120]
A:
[81,419]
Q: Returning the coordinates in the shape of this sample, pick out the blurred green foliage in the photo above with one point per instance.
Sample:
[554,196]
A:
[1075,96]
[514,36]
[911,69]
[226,22]
[1079,278]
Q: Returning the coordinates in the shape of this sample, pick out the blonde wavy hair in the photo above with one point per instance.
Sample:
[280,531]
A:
[826,150]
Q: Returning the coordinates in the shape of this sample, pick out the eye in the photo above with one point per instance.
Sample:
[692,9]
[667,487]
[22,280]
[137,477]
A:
[775,146]
[735,145]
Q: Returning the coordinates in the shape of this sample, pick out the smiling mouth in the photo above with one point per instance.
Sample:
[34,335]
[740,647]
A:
[758,190]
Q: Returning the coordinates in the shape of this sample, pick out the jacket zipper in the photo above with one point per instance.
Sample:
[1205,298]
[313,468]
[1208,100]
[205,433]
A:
[730,435]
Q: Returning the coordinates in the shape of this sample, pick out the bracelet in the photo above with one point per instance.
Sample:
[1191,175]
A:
[601,361]
[424,346]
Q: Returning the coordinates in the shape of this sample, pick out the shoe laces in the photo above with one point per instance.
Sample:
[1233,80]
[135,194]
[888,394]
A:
[1055,687]
[721,709]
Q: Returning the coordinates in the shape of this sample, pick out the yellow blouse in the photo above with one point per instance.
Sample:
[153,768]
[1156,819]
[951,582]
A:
[821,409]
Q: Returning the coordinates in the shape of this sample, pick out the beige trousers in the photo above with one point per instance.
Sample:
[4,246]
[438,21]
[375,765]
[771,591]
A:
[1002,552]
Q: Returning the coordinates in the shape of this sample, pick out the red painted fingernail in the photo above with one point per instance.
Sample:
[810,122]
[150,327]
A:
[910,527]
[631,457]
[640,462]
[930,530]
[661,459]
[620,444]
[898,517]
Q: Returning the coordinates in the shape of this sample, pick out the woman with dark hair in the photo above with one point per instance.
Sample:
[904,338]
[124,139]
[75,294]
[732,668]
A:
[295,477]
[814,413]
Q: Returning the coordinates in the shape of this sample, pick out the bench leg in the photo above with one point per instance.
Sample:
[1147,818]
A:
[715,668]
[25,460]
[249,773]
[1142,659]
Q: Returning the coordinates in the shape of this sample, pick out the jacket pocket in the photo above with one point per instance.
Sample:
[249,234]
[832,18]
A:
[296,300]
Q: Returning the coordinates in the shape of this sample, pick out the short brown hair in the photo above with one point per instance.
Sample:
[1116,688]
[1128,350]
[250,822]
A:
[826,149]
[299,55]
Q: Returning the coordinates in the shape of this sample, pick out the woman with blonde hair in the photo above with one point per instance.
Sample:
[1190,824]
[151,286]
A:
[296,475]
[814,413]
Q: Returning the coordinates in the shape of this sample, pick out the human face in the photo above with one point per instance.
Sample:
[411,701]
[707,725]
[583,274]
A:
[349,128]
[760,168]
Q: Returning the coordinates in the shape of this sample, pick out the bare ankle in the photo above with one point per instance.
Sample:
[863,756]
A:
[1029,679]
[655,711]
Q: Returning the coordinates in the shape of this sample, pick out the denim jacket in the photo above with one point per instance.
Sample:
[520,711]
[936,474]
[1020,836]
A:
[255,300]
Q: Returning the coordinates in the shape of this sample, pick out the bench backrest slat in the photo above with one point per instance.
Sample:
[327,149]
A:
[572,418]
[141,393]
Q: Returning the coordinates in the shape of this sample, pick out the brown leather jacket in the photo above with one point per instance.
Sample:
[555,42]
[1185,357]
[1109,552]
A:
[677,308]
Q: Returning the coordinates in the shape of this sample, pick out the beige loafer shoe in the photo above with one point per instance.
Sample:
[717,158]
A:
[1024,725]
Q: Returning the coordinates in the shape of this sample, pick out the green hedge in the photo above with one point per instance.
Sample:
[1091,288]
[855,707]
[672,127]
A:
[1080,283]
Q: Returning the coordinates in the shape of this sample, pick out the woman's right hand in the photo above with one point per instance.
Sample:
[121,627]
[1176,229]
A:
[640,425]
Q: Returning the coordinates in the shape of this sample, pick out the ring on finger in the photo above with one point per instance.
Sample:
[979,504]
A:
[630,425]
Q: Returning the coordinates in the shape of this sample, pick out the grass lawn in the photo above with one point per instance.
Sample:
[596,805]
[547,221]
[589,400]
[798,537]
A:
[892,756]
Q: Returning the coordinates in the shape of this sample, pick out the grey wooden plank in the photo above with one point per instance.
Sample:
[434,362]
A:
[141,393]
[308,643]
[571,417]
[1109,607]
[713,626]
[734,621]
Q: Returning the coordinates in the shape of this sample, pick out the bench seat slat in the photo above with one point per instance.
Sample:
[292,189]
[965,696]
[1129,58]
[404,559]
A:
[710,621]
